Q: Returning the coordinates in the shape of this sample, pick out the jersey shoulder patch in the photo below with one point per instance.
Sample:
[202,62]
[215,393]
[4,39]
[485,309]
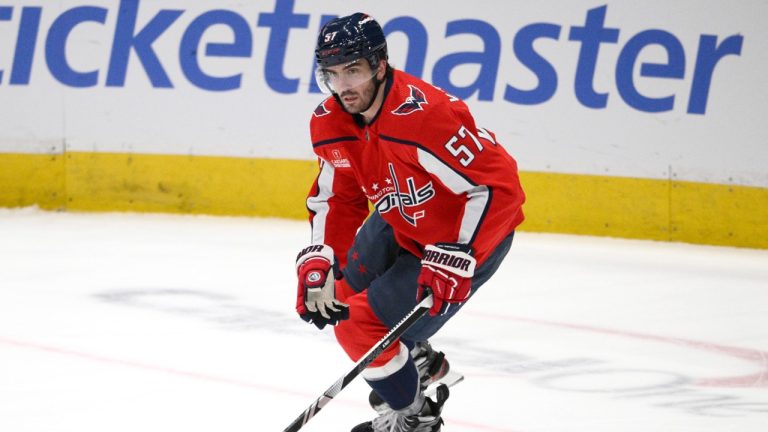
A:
[321,110]
[413,102]
[338,158]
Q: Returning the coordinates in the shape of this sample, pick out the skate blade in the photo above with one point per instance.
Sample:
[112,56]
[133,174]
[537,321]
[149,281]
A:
[450,379]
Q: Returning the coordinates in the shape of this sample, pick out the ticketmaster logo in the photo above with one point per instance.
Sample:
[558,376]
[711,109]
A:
[133,45]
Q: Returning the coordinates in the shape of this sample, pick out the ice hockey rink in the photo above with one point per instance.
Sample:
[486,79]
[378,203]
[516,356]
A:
[126,322]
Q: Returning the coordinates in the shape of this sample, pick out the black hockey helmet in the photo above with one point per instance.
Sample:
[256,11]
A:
[349,38]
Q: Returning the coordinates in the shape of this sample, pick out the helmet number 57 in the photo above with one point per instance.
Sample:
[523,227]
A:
[331,36]
[458,149]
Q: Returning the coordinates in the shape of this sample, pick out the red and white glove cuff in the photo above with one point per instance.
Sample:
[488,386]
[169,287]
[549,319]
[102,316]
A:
[319,250]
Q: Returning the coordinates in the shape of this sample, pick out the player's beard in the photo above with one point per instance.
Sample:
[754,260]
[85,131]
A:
[361,98]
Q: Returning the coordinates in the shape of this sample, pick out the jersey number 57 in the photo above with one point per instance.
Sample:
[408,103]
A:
[458,149]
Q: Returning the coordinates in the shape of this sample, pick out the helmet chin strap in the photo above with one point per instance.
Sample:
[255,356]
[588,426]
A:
[376,84]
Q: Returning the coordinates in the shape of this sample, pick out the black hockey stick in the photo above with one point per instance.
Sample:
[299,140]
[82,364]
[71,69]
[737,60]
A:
[417,312]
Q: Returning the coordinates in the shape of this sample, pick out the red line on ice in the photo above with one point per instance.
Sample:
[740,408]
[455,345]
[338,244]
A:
[202,376]
[760,358]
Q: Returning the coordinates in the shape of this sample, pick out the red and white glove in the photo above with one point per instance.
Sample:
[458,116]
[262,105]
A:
[316,297]
[446,270]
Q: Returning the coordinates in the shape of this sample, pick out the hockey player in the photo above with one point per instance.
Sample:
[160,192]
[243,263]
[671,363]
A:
[447,200]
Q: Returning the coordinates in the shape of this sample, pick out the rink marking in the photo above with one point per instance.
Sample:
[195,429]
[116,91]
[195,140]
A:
[206,377]
[758,379]
[146,366]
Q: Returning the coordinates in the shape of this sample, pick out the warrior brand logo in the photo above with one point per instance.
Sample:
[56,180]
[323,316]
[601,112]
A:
[321,110]
[412,103]
[313,248]
[447,259]
[402,200]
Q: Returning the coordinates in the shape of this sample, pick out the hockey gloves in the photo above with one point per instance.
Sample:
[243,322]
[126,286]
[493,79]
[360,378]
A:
[316,298]
[446,270]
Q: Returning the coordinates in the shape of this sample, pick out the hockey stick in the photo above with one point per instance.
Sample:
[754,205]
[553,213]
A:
[417,312]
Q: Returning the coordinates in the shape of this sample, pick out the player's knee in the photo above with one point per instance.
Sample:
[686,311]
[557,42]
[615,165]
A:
[362,330]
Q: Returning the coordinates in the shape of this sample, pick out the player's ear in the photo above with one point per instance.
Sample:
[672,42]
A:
[382,69]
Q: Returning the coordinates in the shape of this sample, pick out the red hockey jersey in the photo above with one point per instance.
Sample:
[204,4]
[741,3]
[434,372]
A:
[424,165]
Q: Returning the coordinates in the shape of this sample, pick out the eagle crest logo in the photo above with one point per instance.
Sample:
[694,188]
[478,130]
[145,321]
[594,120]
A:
[321,110]
[413,103]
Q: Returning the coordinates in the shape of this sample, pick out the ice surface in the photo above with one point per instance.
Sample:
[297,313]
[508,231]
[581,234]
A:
[122,322]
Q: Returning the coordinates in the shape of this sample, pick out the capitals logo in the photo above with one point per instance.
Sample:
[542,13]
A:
[404,200]
[413,103]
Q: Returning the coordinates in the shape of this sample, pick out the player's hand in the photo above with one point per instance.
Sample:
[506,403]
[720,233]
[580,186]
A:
[316,297]
[446,270]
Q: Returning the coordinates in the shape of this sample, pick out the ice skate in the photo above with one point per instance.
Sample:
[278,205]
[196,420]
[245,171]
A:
[427,419]
[433,368]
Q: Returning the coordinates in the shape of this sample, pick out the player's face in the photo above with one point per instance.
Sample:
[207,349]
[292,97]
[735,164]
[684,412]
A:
[354,84]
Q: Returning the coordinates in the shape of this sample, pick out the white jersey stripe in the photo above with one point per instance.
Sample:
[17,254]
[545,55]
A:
[473,213]
[318,204]
[479,195]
